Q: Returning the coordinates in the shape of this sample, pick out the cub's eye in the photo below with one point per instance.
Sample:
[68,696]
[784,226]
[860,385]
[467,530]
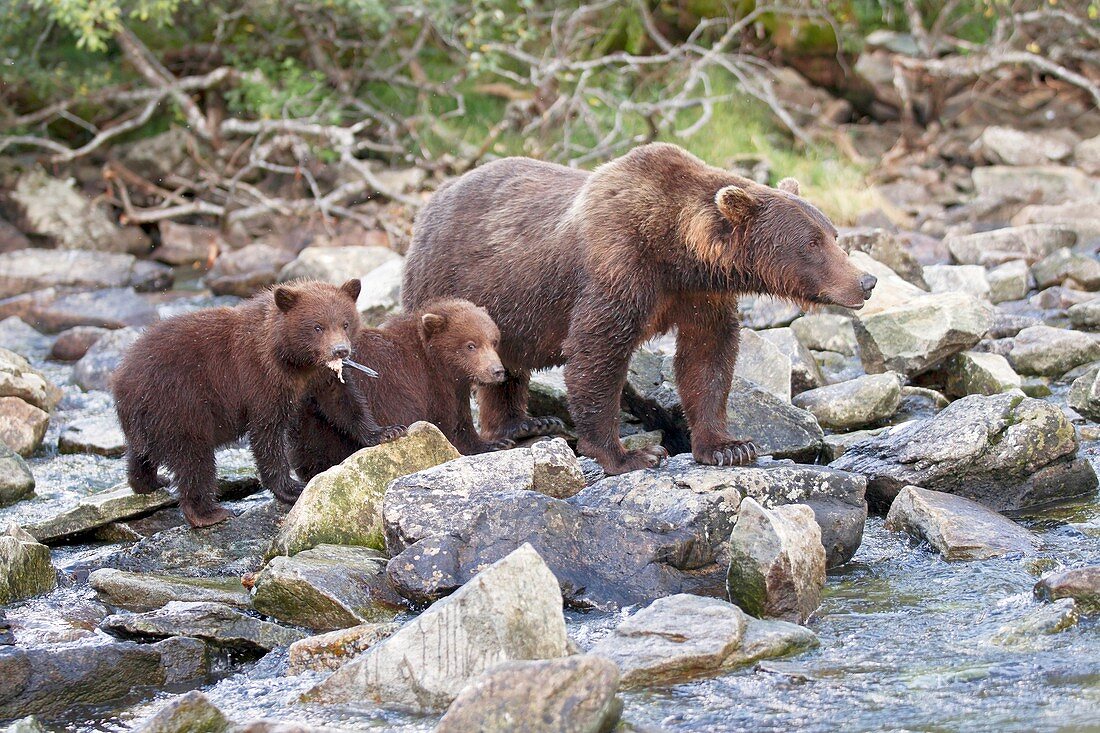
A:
[317,328]
[346,325]
[471,346]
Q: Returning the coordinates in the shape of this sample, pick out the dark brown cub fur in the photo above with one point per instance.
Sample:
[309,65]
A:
[201,380]
[580,268]
[428,361]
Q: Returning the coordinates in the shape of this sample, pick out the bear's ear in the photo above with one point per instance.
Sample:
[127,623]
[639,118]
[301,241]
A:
[734,202]
[789,185]
[432,323]
[352,288]
[285,298]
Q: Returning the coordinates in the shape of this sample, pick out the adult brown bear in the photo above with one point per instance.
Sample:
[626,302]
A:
[580,268]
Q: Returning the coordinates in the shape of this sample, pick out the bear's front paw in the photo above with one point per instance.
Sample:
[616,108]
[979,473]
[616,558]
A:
[535,427]
[288,491]
[635,460]
[205,515]
[391,433]
[728,453]
[502,444]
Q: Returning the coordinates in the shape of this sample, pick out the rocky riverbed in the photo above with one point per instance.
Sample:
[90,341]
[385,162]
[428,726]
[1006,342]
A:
[917,549]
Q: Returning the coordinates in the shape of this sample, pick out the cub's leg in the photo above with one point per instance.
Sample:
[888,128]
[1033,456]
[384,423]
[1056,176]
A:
[503,411]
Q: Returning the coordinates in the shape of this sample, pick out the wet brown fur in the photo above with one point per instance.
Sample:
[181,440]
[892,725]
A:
[198,381]
[427,361]
[580,268]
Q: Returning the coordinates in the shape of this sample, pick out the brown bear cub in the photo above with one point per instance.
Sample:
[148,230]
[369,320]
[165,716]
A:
[428,361]
[198,381]
[580,268]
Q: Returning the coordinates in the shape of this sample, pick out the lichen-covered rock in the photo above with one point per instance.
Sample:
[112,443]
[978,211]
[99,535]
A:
[1007,452]
[25,568]
[1080,584]
[326,588]
[328,652]
[510,610]
[343,505]
[22,425]
[958,528]
[19,379]
[336,264]
[569,695]
[777,561]
[191,712]
[683,637]
[150,591]
[216,623]
[1084,394]
[1051,351]
[975,372]
[855,403]
[16,481]
[826,332]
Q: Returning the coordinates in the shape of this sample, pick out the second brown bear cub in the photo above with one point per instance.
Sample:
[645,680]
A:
[428,362]
[198,381]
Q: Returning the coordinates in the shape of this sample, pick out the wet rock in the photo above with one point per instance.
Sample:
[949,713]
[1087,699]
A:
[53,209]
[1007,452]
[336,264]
[684,637]
[381,293]
[191,712]
[246,271]
[805,373]
[1041,184]
[50,680]
[183,244]
[1063,265]
[777,561]
[95,369]
[19,379]
[918,336]
[16,481]
[25,568]
[22,425]
[623,540]
[958,528]
[25,270]
[28,724]
[1018,147]
[511,610]
[343,505]
[969,279]
[51,310]
[216,623]
[761,362]
[100,435]
[1077,215]
[150,591]
[1029,242]
[328,652]
[1009,281]
[329,587]
[1045,620]
[882,246]
[854,403]
[1050,351]
[570,695]
[973,372]
[74,343]
[826,332]
[1080,584]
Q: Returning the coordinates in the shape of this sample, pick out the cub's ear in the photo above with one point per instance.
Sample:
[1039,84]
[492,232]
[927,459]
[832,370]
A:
[432,323]
[285,298]
[734,202]
[790,186]
[352,288]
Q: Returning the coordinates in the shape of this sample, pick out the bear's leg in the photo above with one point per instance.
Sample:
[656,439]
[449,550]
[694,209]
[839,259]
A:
[460,430]
[142,473]
[269,447]
[706,349]
[503,412]
[194,469]
[601,340]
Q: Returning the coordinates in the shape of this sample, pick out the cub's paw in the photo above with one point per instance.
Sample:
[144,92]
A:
[148,486]
[390,433]
[635,460]
[288,491]
[205,516]
[728,453]
[502,444]
[534,427]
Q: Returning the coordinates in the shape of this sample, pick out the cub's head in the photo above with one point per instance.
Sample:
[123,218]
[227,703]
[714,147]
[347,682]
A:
[462,339]
[316,322]
[779,243]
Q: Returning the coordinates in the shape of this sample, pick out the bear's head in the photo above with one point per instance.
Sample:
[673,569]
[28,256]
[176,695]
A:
[462,339]
[315,322]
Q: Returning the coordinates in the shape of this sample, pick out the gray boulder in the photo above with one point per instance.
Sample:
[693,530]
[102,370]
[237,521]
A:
[16,481]
[25,270]
[25,568]
[330,651]
[958,528]
[95,369]
[855,403]
[74,342]
[805,372]
[975,372]
[1019,147]
[22,425]
[1048,351]
[381,293]
[1078,215]
[684,637]
[826,332]
[336,264]
[761,362]
[969,279]
[216,623]
[1040,184]
[1080,584]
[1085,315]
[1007,452]
[191,712]
[99,435]
[150,591]
[1065,265]
[19,379]
[569,695]
[510,611]
[882,246]
[245,271]
[1084,394]
[1010,281]
[52,310]
[777,562]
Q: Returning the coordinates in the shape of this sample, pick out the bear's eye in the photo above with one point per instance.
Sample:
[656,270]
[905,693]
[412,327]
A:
[471,346]
[317,328]
[346,325]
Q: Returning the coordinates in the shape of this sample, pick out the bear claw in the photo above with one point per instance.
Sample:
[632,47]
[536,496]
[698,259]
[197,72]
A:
[391,433]
[736,453]
[534,427]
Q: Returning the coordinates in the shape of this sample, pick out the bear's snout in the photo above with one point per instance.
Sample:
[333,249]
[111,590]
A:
[867,283]
[341,351]
[498,373]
